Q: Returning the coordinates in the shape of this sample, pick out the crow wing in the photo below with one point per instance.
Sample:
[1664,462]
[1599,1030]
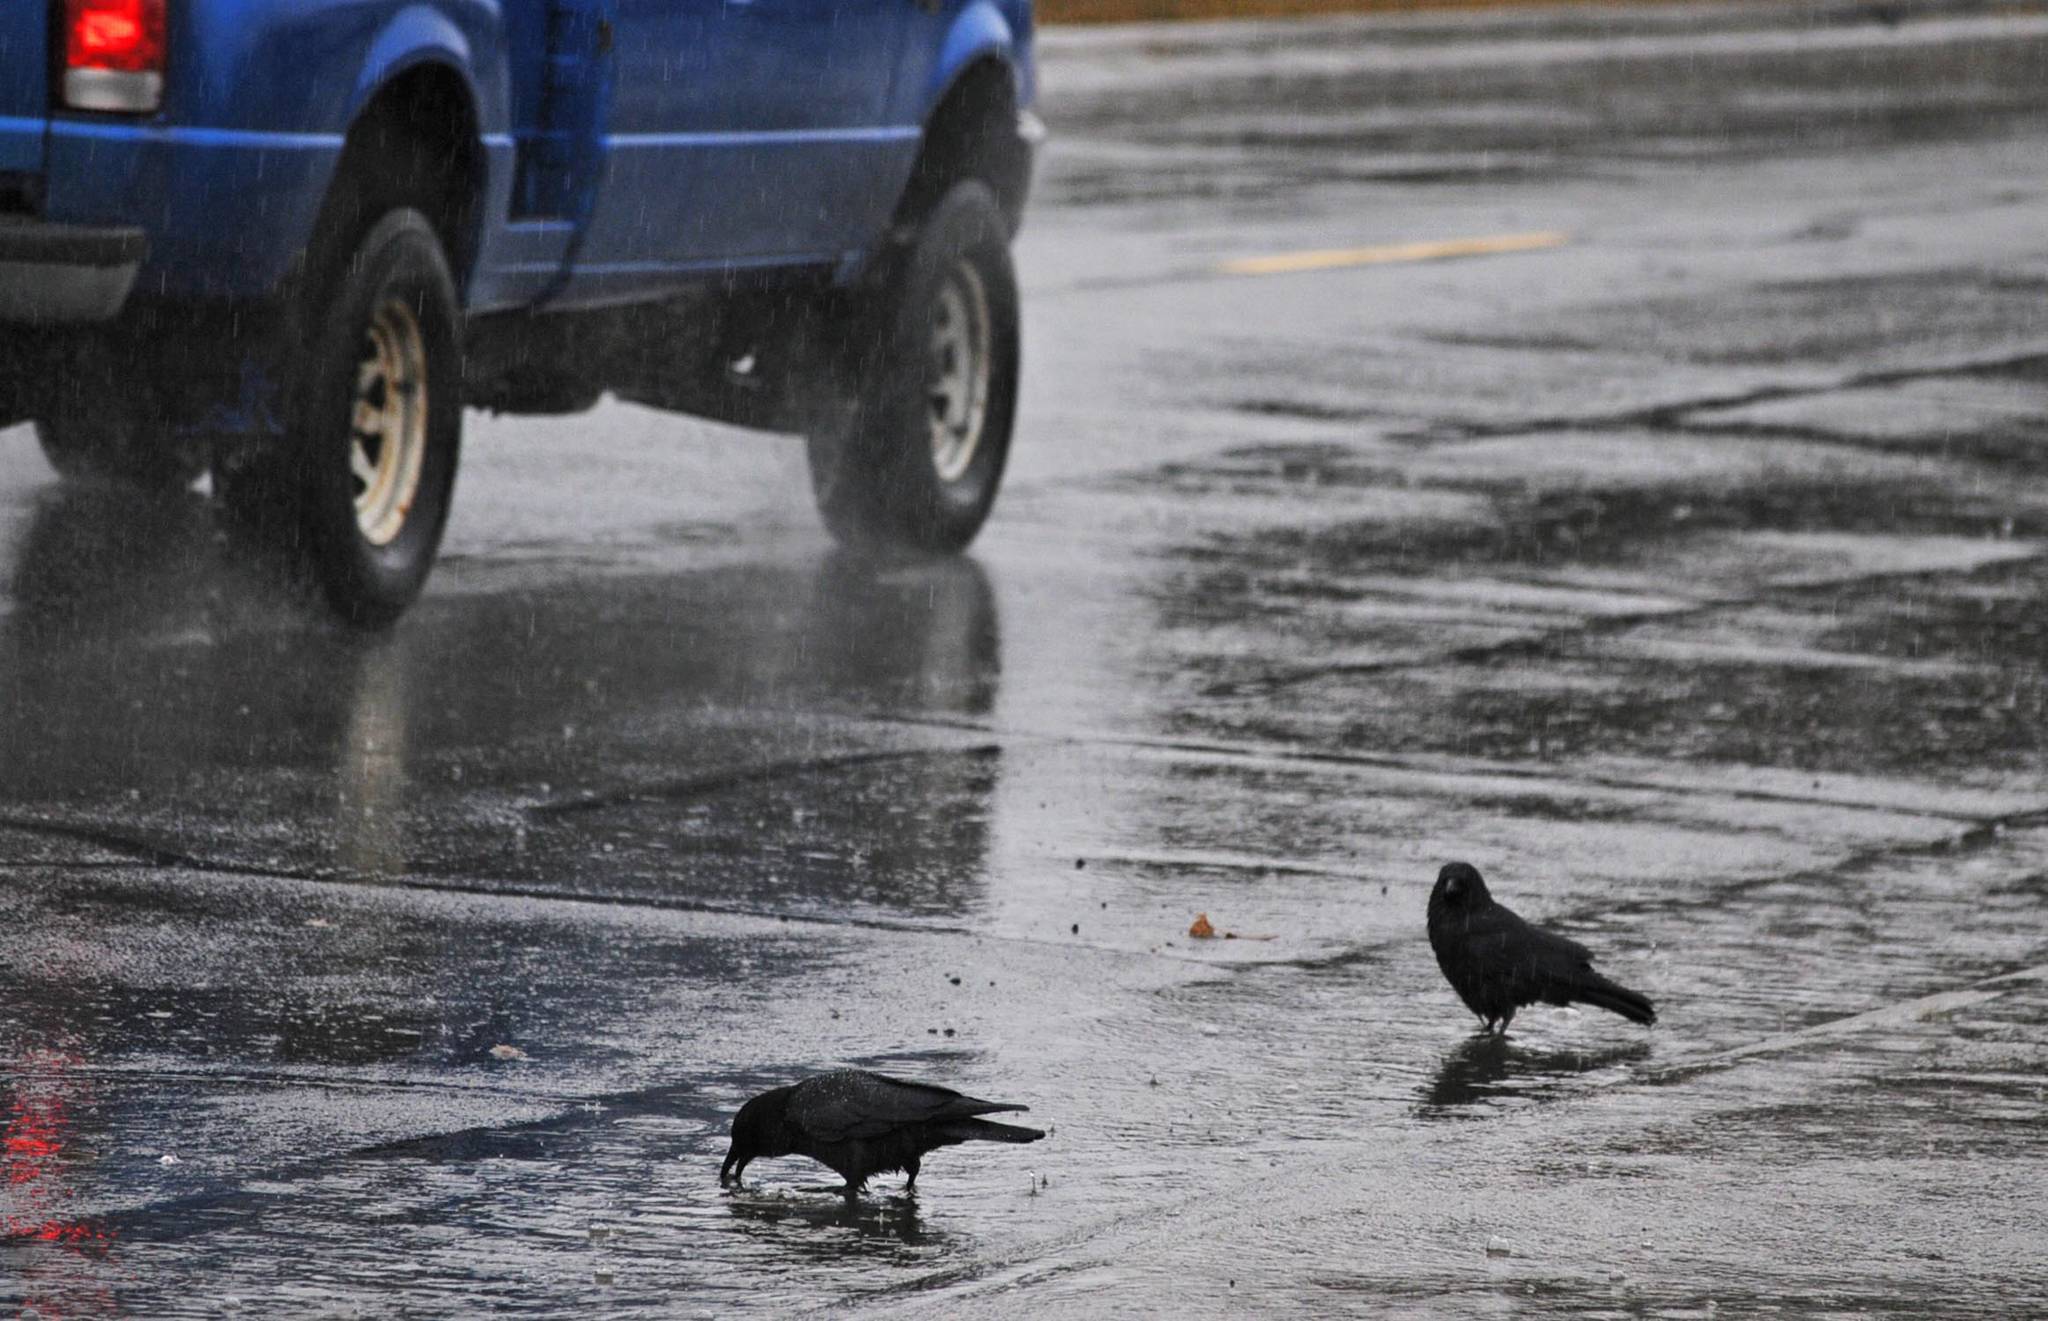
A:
[1528,962]
[851,1104]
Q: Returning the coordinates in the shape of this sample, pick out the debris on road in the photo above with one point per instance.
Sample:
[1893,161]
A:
[1203,929]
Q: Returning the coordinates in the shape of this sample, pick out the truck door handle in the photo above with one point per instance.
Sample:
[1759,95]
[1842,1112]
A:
[604,36]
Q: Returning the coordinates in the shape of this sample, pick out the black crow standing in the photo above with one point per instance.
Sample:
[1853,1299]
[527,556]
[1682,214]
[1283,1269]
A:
[862,1124]
[1497,963]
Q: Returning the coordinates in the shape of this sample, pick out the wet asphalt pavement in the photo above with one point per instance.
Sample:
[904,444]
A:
[1684,570]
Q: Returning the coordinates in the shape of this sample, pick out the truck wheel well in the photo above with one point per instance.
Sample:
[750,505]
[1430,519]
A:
[971,135]
[415,144]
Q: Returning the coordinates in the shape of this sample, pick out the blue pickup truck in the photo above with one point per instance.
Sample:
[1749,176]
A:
[288,242]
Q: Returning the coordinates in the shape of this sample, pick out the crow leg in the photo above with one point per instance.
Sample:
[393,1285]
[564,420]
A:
[910,1168]
[852,1190]
[1505,1019]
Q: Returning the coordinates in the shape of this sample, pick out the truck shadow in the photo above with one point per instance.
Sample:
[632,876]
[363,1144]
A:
[104,561]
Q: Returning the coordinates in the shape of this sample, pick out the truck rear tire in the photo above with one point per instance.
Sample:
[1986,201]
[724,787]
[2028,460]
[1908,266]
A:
[913,458]
[115,449]
[377,421]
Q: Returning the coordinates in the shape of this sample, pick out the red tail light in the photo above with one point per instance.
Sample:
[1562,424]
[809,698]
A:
[114,54]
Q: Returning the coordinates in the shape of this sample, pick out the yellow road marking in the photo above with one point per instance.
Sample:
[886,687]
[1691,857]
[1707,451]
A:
[1291,263]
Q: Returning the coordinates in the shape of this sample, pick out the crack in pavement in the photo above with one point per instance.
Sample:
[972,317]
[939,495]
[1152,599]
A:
[1473,653]
[235,1076]
[173,1219]
[743,776]
[150,854]
[1919,1009]
[1595,626]
[1284,756]
[1976,829]
[1670,416]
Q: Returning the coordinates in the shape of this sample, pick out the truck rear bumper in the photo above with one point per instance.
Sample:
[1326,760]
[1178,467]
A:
[66,274]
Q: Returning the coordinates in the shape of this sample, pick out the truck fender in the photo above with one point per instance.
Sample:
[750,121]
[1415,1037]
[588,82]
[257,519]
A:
[415,35]
[978,30]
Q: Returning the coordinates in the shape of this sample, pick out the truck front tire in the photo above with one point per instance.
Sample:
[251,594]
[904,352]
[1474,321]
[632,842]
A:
[365,487]
[912,459]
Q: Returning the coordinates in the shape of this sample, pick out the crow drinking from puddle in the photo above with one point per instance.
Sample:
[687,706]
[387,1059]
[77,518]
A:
[1497,963]
[862,1124]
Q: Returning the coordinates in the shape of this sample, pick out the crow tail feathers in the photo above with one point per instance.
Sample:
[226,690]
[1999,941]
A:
[1616,999]
[988,1130]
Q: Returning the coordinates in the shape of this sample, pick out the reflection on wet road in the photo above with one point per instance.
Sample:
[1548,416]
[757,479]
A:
[1685,577]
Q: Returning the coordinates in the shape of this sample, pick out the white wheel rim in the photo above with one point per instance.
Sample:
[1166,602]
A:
[960,368]
[387,442]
